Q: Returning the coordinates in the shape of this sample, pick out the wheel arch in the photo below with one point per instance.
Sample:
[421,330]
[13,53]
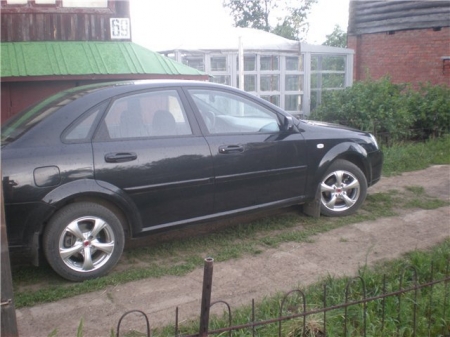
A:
[105,194]
[349,151]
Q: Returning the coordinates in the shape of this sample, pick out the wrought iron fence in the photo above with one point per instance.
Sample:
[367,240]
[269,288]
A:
[355,286]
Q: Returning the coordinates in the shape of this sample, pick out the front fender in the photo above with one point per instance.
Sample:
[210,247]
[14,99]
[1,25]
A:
[350,151]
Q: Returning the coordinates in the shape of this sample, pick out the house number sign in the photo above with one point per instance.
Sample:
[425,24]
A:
[120,28]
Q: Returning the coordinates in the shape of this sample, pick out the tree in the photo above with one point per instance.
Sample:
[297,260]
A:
[338,38]
[251,13]
[256,14]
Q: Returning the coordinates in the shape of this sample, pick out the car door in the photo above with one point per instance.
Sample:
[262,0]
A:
[150,147]
[255,161]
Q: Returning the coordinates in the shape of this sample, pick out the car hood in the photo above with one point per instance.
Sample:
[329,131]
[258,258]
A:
[328,125]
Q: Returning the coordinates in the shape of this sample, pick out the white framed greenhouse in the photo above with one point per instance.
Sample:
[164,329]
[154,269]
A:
[290,74]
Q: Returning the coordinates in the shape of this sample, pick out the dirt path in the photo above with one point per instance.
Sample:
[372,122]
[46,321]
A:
[338,252]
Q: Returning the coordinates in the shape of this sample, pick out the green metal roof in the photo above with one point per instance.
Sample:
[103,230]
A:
[78,58]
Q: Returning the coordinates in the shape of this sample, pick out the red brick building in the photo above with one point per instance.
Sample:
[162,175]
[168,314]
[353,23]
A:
[406,40]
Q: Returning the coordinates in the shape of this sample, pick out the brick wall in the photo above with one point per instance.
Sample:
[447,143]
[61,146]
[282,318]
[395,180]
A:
[406,56]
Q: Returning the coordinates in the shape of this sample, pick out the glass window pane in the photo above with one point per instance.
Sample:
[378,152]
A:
[293,103]
[270,83]
[294,83]
[316,81]
[83,127]
[294,63]
[333,63]
[45,2]
[250,63]
[218,63]
[333,81]
[150,114]
[224,112]
[274,99]
[322,62]
[269,63]
[194,61]
[249,82]
[222,79]
[16,2]
[315,61]
[314,99]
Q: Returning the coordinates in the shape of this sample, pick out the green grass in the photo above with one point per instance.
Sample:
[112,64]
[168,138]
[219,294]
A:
[373,278]
[235,239]
[406,157]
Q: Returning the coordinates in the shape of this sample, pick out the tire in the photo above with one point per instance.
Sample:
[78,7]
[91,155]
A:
[343,189]
[74,250]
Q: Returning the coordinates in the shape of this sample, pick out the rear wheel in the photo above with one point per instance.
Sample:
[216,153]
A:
[83,241]
[343,189]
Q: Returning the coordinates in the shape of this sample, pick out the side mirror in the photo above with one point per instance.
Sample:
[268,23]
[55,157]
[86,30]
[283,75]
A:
[288,123]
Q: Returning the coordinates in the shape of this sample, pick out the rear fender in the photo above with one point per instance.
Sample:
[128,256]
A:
[90,189]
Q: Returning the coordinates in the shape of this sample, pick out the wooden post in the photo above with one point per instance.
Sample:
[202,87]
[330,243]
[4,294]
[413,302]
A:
[8,311]
[206,297]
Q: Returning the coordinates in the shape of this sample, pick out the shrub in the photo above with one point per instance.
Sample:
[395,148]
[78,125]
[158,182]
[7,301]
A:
[390,111]
[430,106]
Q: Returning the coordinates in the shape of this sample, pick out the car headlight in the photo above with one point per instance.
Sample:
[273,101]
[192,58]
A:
[374,140]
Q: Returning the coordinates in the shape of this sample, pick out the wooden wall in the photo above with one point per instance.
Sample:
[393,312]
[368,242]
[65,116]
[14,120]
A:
[367,17]
[31,22]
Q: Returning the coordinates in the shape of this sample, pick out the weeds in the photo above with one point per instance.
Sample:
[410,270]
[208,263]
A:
[379,279]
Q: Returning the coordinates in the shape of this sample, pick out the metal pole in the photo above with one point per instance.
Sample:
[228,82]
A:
[206,297]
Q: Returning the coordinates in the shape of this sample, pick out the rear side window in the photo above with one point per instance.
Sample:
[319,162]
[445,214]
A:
[83,128]
[28,118]
[143,115]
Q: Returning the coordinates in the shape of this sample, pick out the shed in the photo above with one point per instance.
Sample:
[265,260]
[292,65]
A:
[65,64]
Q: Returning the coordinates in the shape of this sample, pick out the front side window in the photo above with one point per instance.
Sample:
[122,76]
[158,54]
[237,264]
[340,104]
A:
[150,114]
[224,112]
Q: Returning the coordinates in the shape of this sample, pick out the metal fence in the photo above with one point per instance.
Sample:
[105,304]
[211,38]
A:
[405,299]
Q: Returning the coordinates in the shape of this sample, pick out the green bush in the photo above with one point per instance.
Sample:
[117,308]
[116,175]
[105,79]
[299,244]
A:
[430,106]
[392,112]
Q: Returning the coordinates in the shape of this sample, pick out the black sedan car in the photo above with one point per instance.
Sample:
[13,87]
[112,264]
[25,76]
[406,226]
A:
[89,167]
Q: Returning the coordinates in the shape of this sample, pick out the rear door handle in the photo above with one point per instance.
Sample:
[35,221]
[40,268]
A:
[231,149]
[120,157]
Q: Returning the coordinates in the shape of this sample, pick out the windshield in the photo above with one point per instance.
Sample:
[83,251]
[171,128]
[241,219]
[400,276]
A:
[25,120]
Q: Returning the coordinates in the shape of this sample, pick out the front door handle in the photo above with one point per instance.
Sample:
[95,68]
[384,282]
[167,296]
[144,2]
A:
[231,149]
[120,157]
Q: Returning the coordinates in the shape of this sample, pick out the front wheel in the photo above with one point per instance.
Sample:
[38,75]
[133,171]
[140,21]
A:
[83,241]
[343,189]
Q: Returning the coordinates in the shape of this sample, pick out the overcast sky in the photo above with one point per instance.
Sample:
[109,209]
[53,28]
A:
[160,25]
